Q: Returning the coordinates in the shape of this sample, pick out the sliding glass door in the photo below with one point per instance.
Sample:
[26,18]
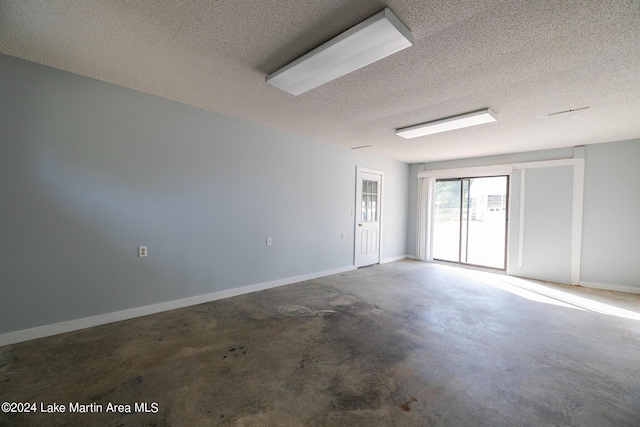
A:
[470,223]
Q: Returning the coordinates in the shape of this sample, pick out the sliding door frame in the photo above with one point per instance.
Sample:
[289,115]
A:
[426,203]
[462,180]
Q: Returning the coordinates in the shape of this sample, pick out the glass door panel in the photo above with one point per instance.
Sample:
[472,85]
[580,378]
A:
[369,201]
[487,224]
[446,227]
[470,221]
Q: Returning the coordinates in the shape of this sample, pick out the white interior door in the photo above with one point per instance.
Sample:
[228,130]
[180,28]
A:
[368,215]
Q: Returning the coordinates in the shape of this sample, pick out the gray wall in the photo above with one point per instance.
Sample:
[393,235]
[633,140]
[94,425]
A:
[89,171]
[611,222]
[546,246]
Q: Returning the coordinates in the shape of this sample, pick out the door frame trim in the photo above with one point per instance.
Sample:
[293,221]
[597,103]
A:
[429,177]
[356,210]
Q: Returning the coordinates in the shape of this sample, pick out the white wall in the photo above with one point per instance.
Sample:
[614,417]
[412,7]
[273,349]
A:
[89,171]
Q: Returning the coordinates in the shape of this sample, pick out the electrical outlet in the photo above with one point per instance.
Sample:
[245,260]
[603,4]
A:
[341,236]
[142,251]
[269,241]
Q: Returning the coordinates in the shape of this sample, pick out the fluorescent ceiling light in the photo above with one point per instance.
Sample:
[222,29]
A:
[369,41]
[450,123]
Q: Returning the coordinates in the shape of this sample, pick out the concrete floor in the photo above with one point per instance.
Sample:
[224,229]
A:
[400,344]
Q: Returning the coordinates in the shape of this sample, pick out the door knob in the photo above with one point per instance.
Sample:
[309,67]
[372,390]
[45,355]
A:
[359,225]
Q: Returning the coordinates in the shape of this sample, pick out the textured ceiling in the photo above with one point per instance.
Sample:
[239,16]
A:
[523,59]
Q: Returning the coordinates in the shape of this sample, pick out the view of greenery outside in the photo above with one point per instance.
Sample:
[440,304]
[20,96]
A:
[448,200]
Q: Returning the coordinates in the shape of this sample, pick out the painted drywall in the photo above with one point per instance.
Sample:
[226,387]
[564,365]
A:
[89,171]
[548,207]
[611,229]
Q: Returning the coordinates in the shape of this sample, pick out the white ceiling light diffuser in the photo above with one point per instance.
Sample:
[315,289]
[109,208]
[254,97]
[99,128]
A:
[371,40]
[474,118]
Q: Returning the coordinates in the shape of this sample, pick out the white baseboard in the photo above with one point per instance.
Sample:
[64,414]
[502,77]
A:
[607,287]
[396,258]
[117,316]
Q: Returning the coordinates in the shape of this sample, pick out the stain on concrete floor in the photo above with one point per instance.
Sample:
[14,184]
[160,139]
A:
[400,344]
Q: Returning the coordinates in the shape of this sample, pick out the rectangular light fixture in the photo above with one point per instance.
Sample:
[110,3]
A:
[450,123]
[369,41]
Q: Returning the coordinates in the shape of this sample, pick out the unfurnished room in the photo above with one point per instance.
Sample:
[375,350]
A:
[319,213]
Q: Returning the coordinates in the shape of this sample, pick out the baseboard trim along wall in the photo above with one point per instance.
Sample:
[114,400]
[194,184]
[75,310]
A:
[607,287]
[117,316]
[396,258]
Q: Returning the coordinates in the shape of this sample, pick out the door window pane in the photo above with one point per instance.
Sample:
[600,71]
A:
[369,211]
